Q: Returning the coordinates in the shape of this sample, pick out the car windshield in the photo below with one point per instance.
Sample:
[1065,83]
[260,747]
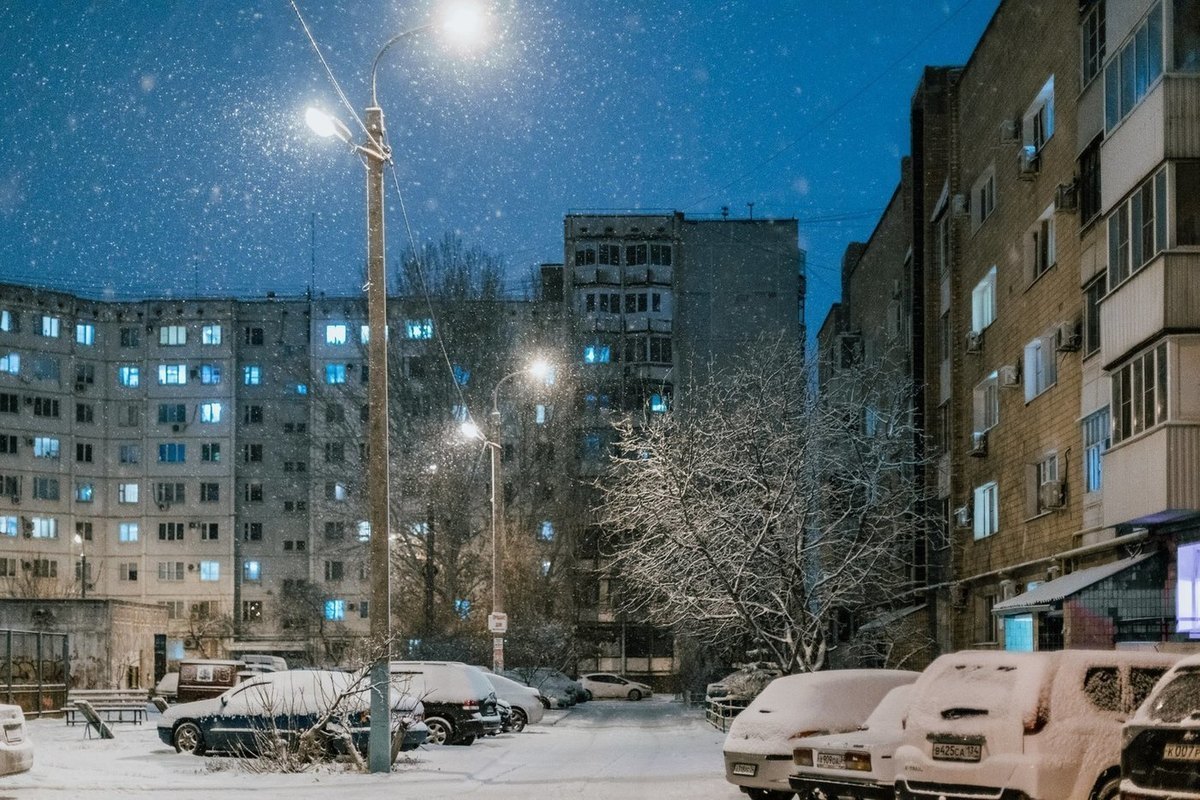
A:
[1179,699]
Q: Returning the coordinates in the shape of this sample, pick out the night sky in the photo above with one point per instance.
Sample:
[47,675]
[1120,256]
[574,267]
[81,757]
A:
[151,147]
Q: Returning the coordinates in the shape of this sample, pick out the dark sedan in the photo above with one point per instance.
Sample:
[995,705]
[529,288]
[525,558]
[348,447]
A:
[281,706]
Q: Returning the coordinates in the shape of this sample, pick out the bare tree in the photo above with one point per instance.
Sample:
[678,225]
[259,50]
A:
[756,512]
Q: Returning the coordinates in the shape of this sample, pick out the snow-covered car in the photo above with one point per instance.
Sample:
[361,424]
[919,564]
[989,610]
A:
[526,702]
[855,765]
[609,684]
[758,748]
[1038,725]
[554,685]
[460,703]
[742,685]
[16,748]
[280,706]
[168,687]
[1161,757]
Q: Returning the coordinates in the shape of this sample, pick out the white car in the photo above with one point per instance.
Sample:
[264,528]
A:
[858,764]
[1161,758]
[608,684]
[988,723]
[16,748]
[758,748]
[526,702]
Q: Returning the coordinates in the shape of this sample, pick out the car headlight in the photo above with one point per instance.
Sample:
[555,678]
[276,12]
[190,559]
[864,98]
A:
[858,761]
[802,757]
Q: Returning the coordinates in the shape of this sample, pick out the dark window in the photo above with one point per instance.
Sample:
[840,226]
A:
[1089,183]
[1091,314]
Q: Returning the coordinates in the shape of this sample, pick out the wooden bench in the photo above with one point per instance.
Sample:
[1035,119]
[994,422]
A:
[110,705]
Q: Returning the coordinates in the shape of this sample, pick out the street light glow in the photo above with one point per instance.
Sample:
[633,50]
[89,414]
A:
[540,369]
[463,23]
[470,430]
[326,125]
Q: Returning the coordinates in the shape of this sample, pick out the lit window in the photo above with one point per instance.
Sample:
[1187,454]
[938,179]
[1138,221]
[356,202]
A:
[49,326]
[45,528]
[983,302]
[127,532]
[210,334]
[301,388]
[129,376]
[210,374]
[987,510]
[85,492]
[8,526]
[210,413]
[658,403]
[540,414]
[335,373]
[210,570]
[545,567]
[172,374]
[252,375]
[7,321]
[364,531]
[172,453]
[336,333]
[85,334]
[45,447]
[546,532]
[172,335]
[418,329]
[335,610]
[364,333]
[462,375]
[127,493]
[252,570]
[1187,589]
[596,354]
[462,608]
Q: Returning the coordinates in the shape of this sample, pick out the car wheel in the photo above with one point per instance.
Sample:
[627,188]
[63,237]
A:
[1108,789]
[635,694]
[465,741]
[519,720]
[587,694]
[187,738]
[769,794]
[440,731]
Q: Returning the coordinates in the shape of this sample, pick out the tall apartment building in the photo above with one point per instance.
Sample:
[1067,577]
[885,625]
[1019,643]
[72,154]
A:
[1053,221]
[659,301]
[207,455]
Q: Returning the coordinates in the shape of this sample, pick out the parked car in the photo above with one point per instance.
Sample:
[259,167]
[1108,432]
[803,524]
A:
[256,662]
[1161,757]
[16,748]
[561,691]
[1044,725]
[281,706]
[608,684]
[742,685]
[204,677]
[857,764]
[758,748]
[168,687]
[460,703]
[526,701]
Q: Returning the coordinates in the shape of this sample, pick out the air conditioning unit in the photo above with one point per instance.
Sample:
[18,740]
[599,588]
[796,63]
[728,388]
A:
[28,400]
[962,516]
[1008,377]
[1066,338]
[163,506]
[959,206]
[979,444]
[192,568]
[1065,197]
[1050,495]
[16,499]
[974,341]
[193,524]
[1010,131]
[1008,589]
[195,373]
[178,427]
[1027,163]
[80,386]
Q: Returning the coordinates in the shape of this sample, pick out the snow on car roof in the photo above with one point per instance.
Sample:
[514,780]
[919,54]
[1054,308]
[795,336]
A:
[1001,682]
[832,701]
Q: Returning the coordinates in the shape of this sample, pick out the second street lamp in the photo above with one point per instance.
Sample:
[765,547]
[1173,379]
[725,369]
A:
[375,154]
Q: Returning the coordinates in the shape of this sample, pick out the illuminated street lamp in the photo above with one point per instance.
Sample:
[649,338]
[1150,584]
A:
[458,22]
[498,619]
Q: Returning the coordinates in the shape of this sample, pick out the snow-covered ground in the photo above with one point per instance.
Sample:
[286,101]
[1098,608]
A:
[607,750]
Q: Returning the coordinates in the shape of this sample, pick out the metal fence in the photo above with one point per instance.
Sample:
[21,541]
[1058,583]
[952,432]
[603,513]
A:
[720,713]
[34,671]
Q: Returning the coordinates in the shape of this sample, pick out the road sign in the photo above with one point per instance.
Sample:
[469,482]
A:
[498,622]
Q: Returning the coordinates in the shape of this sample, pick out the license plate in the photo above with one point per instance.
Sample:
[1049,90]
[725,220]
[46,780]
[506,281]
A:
[1178,751]
[831,760]
[746,770]
[13,735]
[949,751]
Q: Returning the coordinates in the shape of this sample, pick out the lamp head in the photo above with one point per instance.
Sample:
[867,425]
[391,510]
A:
[462,23]
[470,430]
[326,125]
[541,370]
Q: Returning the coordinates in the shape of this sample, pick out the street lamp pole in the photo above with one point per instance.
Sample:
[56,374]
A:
[83,570]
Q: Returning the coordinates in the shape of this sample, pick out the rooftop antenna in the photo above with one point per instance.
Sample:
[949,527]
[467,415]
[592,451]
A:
[750,205]
[724,212]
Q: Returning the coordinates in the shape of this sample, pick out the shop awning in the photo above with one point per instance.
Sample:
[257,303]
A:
[1060,589]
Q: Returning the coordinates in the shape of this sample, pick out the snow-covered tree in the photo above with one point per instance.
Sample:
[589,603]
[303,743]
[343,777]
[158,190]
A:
[757,511]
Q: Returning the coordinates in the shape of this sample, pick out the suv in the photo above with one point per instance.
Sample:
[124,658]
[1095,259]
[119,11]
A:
[1022,725]
[1162,742]
[460,703]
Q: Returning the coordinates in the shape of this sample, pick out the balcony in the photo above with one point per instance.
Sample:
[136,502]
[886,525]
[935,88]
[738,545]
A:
[1163,296]
[654,275]
[1151,479]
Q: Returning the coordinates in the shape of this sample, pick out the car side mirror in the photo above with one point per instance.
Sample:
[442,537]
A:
[224,701]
